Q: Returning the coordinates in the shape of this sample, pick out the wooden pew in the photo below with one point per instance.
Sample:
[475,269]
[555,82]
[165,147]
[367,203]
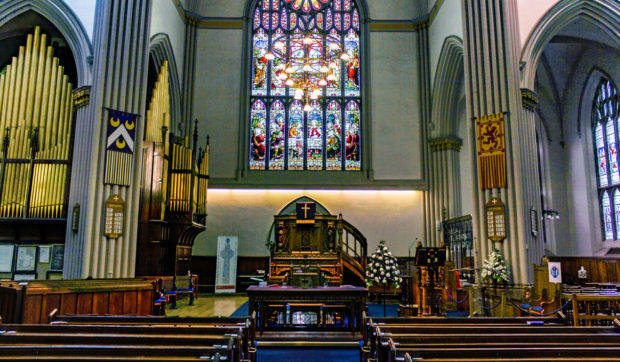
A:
[513,354]
[400,334]
[398,345]
[248,336]
[105,341]
[175,285]
[370,333]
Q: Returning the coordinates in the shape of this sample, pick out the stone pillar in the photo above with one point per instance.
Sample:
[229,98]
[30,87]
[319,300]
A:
[424,80]
[444,183]
[120,72]
[492,48]
[79,189]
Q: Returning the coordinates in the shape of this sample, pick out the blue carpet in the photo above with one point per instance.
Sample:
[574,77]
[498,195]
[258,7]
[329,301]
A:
[457,313]
[308,354]
[242,311]
[374,310]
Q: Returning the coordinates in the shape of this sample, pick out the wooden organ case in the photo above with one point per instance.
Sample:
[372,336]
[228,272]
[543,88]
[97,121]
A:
[329,251]
[173,198]
[37,102]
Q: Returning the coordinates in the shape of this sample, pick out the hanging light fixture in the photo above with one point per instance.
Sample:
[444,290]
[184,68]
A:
[309,67]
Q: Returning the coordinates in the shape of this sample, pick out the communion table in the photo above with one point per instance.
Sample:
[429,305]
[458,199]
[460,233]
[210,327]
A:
[322,308]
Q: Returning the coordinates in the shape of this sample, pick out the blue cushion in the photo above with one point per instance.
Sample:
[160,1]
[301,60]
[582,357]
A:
[537,309]
[525,306]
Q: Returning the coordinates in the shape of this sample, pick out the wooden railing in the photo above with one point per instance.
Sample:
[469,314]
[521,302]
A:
[353,245]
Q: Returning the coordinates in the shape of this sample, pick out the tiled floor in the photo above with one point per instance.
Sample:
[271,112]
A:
[207,305]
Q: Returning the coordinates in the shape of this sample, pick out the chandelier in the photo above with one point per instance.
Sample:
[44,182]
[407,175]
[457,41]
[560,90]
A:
[309,68]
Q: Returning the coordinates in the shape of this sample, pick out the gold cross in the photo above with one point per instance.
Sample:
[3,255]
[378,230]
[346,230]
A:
[305,208]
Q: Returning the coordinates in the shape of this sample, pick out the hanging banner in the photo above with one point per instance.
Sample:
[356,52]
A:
[226,268]
[120,140]
[491,151]
[496,219]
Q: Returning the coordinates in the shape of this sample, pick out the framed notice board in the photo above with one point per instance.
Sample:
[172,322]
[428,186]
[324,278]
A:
[58,257]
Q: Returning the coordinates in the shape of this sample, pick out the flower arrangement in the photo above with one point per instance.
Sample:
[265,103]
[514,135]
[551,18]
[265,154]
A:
[382,268]
[494,268]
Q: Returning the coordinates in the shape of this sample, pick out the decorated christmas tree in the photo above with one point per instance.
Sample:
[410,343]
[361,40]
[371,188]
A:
[382,268]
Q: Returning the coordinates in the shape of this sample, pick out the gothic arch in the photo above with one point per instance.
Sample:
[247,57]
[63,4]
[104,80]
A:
[605,14]
[65,20]
[160,50]
[448,80]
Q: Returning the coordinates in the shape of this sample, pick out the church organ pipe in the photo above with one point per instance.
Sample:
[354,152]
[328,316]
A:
[35,127]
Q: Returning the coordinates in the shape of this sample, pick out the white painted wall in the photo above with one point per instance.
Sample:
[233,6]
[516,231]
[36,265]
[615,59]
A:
[395,216]
[165,18]
[216,95]
[447,22]
[222,8]
[85,11]
[530,13]
[395,106]
[396,9]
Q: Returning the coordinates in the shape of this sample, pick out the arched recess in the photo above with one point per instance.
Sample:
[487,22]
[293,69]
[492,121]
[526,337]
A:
[604,14]
[65,20]
[444,198]
[446,88]
[160,50]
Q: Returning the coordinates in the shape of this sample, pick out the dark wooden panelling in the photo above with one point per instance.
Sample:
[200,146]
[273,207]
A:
[68,304]
[101,301]
[85,303]
[600,269]
[144,302]
[129,303]
[32,309]
[52,301]
[205,267]
[116,303]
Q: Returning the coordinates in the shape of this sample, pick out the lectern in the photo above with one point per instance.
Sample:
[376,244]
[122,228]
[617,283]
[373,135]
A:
[431,279]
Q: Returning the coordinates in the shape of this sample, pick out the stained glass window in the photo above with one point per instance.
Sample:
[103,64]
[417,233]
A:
[605,123]
[318,134]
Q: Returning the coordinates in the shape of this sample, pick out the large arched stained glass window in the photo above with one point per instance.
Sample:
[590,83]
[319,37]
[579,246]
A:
[605,123]
[302,133]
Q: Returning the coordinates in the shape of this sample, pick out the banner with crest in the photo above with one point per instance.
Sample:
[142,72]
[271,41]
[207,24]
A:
[491,151]
[120,141]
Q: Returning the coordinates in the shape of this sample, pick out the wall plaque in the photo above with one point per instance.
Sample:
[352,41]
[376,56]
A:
[114,217]
[496,219]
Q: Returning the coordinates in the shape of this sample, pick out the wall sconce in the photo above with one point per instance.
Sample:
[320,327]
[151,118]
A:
[551,214]
[75,218]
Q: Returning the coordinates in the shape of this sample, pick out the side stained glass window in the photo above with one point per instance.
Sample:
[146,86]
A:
[605,123]
[322,134]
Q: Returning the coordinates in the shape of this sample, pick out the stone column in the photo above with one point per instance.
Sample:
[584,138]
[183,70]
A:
[444,184]
[120,72]
[492,48]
